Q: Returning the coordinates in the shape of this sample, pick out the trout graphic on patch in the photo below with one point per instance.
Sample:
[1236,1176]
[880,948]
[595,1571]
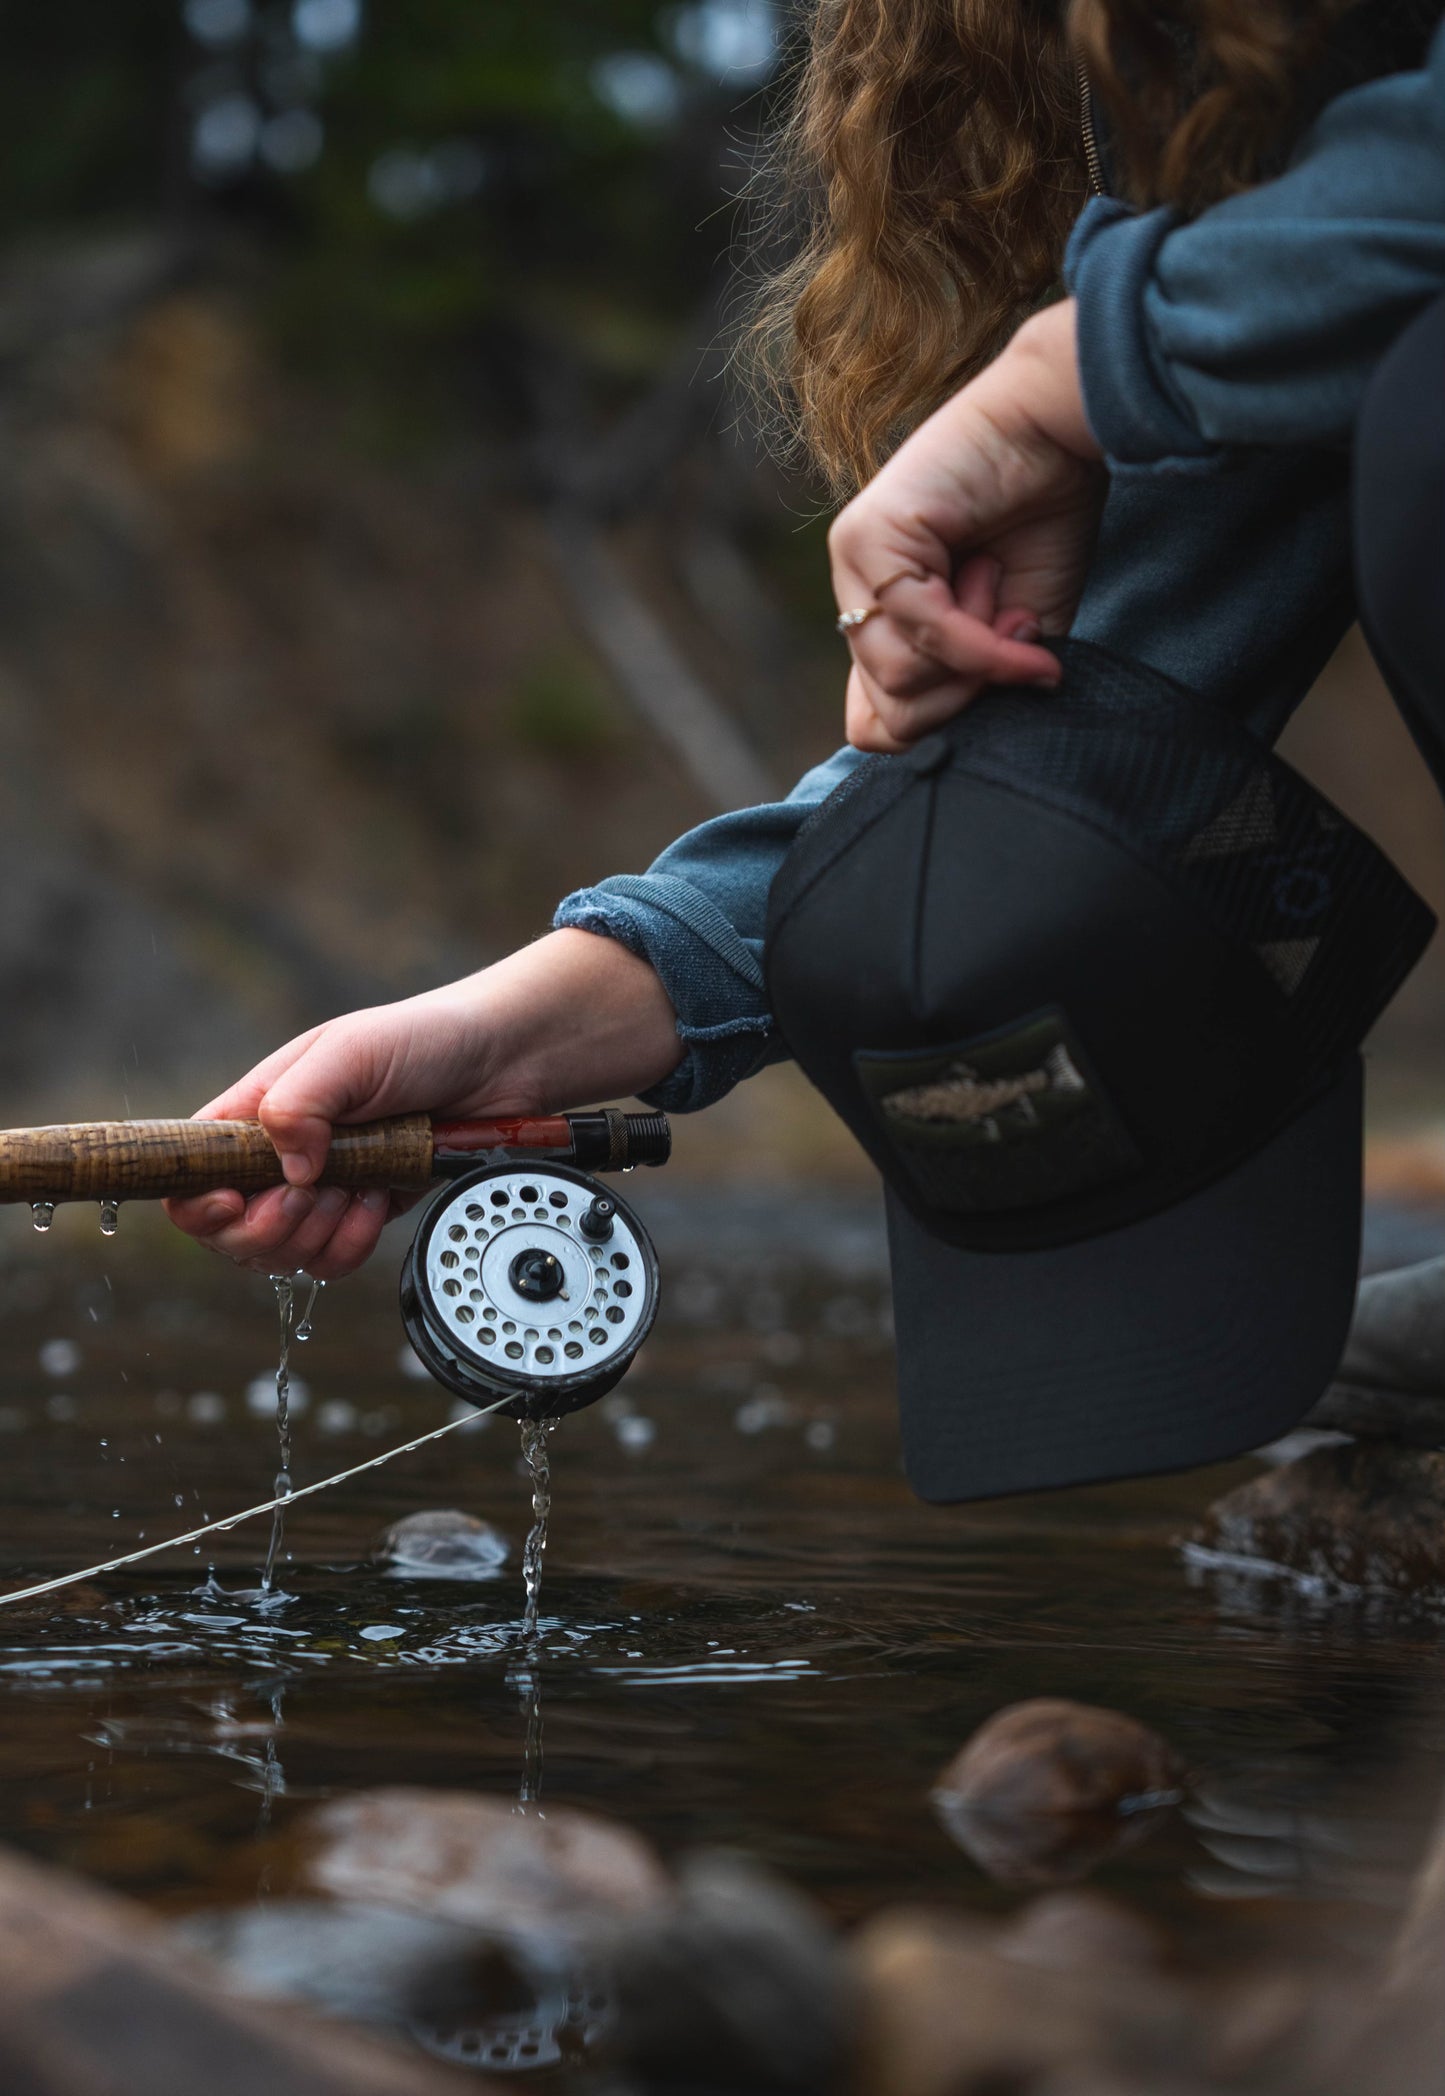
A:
[961,1097]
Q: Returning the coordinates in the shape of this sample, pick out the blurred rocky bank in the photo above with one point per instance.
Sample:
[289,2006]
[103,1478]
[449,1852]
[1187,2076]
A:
[294,719]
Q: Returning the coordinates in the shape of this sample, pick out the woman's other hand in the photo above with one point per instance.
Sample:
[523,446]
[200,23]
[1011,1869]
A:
[974,540]
[573,1019]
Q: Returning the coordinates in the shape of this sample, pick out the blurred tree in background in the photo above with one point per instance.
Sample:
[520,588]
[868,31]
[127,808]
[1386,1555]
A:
[382,551]
[423,182]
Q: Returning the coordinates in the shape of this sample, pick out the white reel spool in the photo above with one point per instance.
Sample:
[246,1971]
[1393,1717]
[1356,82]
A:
[529,1281]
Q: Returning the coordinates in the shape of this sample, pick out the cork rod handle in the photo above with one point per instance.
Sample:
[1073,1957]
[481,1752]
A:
[147,1160]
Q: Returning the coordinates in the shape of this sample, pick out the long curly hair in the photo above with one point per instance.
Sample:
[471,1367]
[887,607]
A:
[934,160]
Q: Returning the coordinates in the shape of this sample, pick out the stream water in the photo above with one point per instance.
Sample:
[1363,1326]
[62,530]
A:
[290,1326]
[751,1634]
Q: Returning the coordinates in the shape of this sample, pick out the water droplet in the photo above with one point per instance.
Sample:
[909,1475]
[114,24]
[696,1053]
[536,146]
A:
[109,1217]
[306,1326]
[42,1215]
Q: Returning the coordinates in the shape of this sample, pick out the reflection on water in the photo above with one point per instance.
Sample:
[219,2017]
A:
[751,1633]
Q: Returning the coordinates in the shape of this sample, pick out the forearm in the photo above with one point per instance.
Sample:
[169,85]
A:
[697,918]
[1033,392]
[577,1018]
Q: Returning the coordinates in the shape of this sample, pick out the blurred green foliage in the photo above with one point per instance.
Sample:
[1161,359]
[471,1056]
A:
[90,109]
[454,169]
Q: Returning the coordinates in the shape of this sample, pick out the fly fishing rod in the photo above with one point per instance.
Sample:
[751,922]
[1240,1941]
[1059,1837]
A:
[114,1161]
[528,1288]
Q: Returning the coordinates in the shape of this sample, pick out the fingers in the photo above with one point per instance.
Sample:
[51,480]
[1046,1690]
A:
[277,1230]
[298,1093]
[335,1078]
[354,1238]
[240,1100]
[1019,624]
[861,724]
[975,588]
[922,619]
[879,723]
[327,1232]
[201,1215]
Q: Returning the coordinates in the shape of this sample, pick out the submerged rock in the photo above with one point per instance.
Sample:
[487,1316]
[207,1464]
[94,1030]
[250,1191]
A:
[374,1963]
[741,1987]
[441,1544]
[478,1861]
[944,2013]
[1079,1931]
[1362,1514]
[1046,1789]
[99,1999]
[462,1995]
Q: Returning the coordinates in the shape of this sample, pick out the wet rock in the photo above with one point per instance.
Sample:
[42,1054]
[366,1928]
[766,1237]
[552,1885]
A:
[741,1987]
[441,1544]
[478,1861]
[97,1999]
[1046,1789]
[1078,1931]
[1363,1514]
[943,2013]
[372,1963]
[1391,1381]
[461,1995]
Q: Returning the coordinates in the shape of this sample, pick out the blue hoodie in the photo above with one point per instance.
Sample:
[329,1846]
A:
[1223,362]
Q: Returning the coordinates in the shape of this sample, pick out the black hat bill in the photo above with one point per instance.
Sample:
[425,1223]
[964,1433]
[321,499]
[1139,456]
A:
[1087,975]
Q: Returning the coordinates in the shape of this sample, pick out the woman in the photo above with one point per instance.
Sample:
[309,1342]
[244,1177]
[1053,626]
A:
[1186,342]
[948,147]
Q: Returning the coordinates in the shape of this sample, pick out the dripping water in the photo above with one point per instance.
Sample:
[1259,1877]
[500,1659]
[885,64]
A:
[109,1216]
[42,1214]
[529,1681]
[273,1776]
[304,1325]
[285,1287]
[539,1469]
[537,1458]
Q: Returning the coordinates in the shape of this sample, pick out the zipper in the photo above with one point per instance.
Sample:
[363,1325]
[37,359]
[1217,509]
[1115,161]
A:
[1092,158]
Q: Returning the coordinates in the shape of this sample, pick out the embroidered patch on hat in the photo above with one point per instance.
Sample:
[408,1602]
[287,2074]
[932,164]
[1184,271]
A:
[1015,1119]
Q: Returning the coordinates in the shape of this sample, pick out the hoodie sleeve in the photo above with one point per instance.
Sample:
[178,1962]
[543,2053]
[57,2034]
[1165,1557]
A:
[698,915]
[1260,321]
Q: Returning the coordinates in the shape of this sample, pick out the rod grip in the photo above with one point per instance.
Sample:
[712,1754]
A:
[148,1160]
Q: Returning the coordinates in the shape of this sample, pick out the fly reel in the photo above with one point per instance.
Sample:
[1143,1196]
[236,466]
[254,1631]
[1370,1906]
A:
[529,1282]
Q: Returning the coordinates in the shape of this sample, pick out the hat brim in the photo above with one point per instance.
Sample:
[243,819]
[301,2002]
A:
[1207,1330]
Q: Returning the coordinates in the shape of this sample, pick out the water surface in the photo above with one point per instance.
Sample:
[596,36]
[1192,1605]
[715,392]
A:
[750,1632]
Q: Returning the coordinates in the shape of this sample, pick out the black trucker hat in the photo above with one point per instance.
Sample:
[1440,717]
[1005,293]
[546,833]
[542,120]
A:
[1086,974]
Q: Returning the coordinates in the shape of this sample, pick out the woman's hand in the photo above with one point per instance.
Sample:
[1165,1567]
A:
[974,539]
[571,1020]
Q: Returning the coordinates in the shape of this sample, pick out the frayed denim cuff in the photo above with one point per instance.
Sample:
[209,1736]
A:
[712,976]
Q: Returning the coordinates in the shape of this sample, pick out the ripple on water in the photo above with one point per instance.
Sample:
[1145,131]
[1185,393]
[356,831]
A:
[751,1633]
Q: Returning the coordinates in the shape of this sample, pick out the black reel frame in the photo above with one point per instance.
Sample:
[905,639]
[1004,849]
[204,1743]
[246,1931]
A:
[492,1290]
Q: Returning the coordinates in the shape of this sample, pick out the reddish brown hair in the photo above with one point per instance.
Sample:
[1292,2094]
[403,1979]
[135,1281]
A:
[935,149]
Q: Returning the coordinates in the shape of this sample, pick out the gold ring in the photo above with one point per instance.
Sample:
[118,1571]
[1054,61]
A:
[846,621]
[901,575]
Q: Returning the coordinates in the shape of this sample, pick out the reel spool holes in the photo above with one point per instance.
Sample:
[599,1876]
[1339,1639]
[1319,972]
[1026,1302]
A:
[531,1282]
